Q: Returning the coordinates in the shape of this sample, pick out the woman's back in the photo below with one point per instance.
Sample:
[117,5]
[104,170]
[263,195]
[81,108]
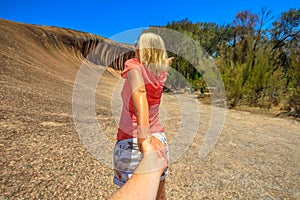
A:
[154,84]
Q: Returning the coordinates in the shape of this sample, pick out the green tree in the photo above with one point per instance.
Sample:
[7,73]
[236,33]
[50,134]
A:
[285,39]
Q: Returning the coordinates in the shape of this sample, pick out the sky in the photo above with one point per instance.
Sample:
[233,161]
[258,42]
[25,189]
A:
[123,20]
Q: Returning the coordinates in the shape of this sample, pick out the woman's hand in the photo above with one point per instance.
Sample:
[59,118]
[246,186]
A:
[170,60]
[155,152]
[151,144]
[144,136]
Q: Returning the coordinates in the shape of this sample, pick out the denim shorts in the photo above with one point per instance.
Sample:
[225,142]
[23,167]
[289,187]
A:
[127,157]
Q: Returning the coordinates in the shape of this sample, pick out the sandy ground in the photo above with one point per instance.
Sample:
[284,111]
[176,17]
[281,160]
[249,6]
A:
[44,157]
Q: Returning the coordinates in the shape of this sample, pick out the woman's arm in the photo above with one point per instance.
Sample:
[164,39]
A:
[139,98]
[140,104]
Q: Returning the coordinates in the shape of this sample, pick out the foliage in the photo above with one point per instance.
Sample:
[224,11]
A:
[259,61]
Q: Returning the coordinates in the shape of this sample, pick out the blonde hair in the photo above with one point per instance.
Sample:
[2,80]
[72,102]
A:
[152,52]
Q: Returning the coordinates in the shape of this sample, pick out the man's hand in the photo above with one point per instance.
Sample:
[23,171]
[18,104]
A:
[154,152]
[152,145]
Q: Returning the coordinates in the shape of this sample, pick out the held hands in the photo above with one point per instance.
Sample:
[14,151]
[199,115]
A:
[154,155]
[152,145]
[153,150]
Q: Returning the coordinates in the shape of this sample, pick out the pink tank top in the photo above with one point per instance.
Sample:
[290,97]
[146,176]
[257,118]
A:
[154,86]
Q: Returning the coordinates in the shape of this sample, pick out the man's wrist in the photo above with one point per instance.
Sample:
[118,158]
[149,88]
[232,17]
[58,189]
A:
[151,163]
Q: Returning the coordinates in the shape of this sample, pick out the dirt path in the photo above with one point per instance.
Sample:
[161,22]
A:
[256,157]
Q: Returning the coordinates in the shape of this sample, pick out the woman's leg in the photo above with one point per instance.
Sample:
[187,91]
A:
[161,192]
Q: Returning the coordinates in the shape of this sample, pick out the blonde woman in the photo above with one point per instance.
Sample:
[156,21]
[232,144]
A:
[145,76]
